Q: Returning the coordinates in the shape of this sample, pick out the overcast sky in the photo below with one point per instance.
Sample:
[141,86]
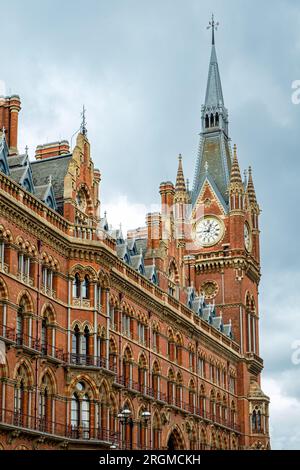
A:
[140,67]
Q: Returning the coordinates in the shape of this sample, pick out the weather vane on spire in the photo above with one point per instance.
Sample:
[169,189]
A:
[213,26]
[83,128]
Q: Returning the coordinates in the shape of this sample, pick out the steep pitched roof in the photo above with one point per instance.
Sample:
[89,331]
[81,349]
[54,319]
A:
[214,93]
[57,167]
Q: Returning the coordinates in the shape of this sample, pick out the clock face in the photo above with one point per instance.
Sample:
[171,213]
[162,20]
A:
[209,231]
[247,237]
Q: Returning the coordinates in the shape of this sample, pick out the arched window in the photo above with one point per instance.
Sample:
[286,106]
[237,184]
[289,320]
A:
[217,119]
[254,421]
[178,350]
[21,401]
[232,415]
[141,433]
[258,421]
[156,381]
[179,390]
[80,412]
[76,339]
[206,121]
[85,288]
[212,408]
[44,335]
[202,401]
[171,387]
[156,431]
[171,346]
[76,286]
[142,374]
[212,123]
[85,419]
[45,404]
[20,325]
[192,397]
[112,355]
[75,413]
[101,348]
[127,368]
[86,345]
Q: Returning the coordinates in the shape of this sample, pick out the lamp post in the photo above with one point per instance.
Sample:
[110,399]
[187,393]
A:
[125,419]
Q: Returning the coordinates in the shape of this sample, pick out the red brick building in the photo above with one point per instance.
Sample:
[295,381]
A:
[146,342]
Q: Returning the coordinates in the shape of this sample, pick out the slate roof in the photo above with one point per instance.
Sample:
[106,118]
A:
[214,152]
[214,94]
[17,173]
[57,167]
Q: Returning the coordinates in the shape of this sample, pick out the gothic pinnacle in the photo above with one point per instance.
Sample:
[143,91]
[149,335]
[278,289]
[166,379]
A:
[180,182]
[250,188]
[236,183]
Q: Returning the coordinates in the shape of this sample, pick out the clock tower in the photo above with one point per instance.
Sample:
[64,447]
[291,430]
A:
[224,263]
[205,245]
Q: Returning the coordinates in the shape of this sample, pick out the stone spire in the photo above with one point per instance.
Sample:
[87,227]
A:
[236,183]
[250,187]
[181,194]
[180,181]
[214,155]
[214,94]
[251,190]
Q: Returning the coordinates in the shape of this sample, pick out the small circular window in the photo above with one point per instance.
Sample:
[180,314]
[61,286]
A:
[80,386]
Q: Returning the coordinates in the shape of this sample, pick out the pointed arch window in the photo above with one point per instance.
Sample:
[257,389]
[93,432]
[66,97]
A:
[76,340]
[44,335]
[75,413]
[85,420]
[85,351]
[85,287]
[206,121]
[76,286]
[20,325]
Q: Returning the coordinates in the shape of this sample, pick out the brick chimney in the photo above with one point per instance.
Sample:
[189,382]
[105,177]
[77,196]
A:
[52,149]
[9,115]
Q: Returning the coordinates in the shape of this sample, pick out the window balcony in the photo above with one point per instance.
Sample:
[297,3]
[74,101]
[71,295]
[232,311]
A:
[36,345]
[39,425]
[85,360]
[7,332]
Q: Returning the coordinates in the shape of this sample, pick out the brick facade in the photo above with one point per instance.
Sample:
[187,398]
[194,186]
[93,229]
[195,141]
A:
[92,324]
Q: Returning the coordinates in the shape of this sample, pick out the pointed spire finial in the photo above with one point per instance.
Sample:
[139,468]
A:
[213,26]
[235,174]
[26,150]
[50,179]
[180,182]
[83,128]
[250,188]
[234,151]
